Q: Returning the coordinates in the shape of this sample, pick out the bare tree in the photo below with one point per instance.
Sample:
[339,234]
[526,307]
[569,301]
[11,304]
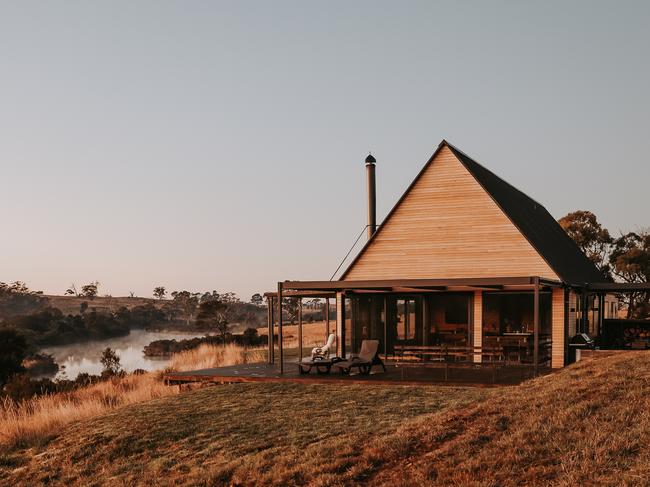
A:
[72,290]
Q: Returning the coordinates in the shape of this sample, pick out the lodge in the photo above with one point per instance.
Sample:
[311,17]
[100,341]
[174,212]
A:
[465,267]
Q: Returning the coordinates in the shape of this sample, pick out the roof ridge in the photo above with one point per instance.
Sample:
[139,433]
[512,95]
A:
[531,218]
[456,149]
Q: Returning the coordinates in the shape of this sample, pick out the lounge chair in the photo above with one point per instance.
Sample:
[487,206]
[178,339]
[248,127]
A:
[320,358]
[325,350]
[368,356]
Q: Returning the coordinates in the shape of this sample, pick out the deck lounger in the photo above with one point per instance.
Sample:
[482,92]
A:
[322,365]
[320,358]
[325,350]
[368,356]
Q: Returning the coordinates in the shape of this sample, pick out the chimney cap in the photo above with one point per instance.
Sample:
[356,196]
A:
[370,159]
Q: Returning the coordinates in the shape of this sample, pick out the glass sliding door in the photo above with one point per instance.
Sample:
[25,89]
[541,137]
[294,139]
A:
[368,318]
[408,320]
[508,323]
[404,324]
[449,319]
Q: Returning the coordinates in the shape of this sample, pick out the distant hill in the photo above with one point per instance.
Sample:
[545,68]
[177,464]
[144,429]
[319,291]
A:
[587,424]
[71,304]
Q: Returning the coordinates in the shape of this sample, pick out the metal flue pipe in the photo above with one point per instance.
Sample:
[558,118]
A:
[372,196]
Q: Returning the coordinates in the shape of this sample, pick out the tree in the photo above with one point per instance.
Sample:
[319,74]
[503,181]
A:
[250,336]
[257,299]
[13,350]
[290,306]
[186,302]
[209,296]
[630,262]
[159,292]
[594,240]
[217,313]
[251,319]
[90,290]
[212,315]
[17,299]
[72,290]
[110,360]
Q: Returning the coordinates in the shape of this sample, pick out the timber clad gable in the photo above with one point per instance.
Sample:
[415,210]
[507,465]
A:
[447,226]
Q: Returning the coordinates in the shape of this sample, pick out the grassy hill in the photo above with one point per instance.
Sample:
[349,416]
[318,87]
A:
[588,424]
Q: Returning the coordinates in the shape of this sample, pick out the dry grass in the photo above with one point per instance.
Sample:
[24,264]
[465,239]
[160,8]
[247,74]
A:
[588,424]
[208,356]
[37,419]
[250,434]
[34,420]
[313,334]
[70,304]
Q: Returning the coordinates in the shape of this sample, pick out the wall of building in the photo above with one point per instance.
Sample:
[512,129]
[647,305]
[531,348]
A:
[448,227]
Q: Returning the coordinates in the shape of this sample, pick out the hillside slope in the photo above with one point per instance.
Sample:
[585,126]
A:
[71,304]
[588,424]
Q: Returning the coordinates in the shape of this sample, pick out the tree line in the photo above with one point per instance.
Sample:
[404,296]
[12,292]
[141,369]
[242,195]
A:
[622,258]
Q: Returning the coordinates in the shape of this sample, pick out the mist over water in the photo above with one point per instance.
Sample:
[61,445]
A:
[84,357]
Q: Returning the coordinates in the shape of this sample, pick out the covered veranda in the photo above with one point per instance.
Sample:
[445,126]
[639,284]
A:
[601,318]
[437,324]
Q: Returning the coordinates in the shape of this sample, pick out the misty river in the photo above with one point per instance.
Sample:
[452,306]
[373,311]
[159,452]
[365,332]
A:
[84,357]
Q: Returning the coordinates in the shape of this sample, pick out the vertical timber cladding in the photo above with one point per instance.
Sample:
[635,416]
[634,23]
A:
[557,328]
[477,323]
[447,226]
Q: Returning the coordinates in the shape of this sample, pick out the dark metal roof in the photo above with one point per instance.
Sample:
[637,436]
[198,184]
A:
[535,223]
[370,159]
[621,287]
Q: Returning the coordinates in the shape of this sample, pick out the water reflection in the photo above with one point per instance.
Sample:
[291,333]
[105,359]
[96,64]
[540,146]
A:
[84,357]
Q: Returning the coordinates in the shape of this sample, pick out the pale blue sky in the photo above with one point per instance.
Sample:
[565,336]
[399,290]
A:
[220,145]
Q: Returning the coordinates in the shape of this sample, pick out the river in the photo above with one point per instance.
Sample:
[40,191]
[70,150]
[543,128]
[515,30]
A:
[84,357]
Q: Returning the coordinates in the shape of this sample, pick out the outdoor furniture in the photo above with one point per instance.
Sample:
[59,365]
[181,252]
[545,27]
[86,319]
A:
[322,365]
[448,357]
[368,356]
[325,350]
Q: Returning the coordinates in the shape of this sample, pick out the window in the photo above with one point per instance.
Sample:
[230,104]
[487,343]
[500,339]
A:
[449,319]
[456,310]
[406,322]
[512,313]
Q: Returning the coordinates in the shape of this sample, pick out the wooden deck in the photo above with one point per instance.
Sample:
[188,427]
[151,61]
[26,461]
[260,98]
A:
[483,376]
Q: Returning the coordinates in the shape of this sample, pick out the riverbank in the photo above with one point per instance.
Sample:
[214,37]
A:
[85,357]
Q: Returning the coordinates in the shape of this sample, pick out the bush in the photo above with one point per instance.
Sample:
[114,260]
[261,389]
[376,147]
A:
[51,327]
[13,349]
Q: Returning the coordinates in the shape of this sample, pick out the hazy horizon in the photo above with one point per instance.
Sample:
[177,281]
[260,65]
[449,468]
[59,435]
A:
[211,145]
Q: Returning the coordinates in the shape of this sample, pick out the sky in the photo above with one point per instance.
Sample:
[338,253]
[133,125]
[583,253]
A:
[220,145]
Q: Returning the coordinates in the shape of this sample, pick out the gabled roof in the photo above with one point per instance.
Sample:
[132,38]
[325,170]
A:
[534,222]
